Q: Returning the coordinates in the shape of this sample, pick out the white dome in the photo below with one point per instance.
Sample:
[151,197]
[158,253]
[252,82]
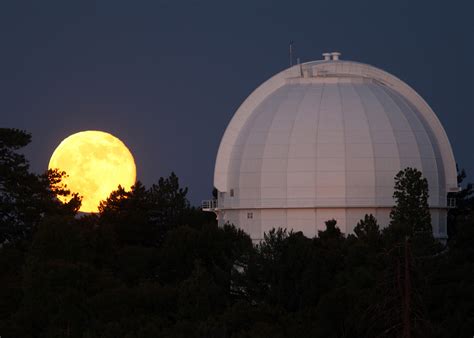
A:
[325,139]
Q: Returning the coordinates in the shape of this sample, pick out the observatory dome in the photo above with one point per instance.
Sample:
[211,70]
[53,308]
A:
[324,140]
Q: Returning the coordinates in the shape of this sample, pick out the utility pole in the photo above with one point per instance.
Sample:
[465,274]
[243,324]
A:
[407,291]
[291,53]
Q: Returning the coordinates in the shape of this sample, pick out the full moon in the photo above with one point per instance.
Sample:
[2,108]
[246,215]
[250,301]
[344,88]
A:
[96,163]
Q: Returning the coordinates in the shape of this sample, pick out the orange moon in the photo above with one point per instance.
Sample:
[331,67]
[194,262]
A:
[96,163]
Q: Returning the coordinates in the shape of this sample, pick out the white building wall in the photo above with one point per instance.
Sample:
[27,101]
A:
[311,220]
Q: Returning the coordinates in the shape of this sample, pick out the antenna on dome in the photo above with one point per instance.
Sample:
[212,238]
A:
[291,52]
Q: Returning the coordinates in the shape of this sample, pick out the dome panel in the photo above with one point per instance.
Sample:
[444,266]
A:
[301,127]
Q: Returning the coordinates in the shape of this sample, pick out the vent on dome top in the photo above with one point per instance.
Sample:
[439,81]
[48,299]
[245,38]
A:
[331,56]
[335,55]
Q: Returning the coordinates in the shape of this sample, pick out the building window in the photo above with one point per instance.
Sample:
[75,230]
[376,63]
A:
[250,215]
[231,193]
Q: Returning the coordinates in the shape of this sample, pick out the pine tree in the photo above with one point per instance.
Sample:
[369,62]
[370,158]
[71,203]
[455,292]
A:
[411,212]
[367,229]
[26,198]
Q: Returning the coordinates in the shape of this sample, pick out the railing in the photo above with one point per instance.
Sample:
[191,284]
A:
[451,203]
[209,205]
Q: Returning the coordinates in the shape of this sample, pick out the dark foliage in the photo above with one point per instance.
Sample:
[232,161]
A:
[26,198]
[411,213]
[150,265]
[464,204]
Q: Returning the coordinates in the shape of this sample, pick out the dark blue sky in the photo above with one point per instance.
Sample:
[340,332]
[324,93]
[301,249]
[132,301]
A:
[167,76]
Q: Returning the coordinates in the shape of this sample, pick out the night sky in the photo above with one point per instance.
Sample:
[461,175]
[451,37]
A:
[167,76]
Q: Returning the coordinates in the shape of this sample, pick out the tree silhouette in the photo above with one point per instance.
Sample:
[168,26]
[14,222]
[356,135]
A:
[411,212]
[464,204]
[25,198]
[367,229]
[150,265]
